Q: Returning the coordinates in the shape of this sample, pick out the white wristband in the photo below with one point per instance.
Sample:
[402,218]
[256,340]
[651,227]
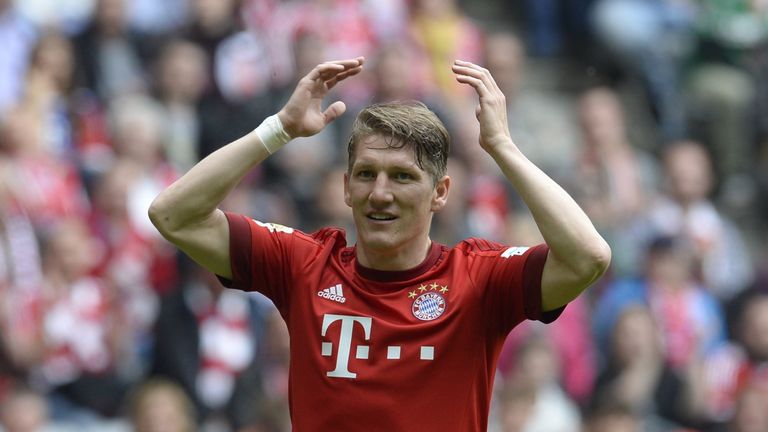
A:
[272,134]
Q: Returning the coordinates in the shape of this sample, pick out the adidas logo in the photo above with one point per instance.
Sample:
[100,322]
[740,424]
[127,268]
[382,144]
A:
[334,293]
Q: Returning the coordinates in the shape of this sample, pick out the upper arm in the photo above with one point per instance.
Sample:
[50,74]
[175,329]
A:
[206,242]
[561,283]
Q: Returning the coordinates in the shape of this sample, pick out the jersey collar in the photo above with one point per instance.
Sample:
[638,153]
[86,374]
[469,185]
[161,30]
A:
[433,256]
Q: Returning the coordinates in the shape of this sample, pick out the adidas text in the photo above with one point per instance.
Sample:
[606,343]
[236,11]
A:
[334,293]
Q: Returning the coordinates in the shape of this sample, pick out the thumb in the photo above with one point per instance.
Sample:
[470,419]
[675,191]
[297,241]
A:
[334,111]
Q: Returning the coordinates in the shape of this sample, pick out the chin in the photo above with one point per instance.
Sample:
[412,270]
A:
[378,241]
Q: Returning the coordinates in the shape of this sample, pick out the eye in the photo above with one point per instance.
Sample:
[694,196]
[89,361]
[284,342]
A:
[365,174]
[403,176]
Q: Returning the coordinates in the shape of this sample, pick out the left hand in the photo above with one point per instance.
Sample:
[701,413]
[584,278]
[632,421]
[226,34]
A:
[491,112]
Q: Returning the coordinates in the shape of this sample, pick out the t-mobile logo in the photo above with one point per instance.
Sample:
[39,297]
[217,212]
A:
[426,352]
[345,342]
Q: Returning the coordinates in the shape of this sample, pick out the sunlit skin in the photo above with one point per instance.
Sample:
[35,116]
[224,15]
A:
[392,201]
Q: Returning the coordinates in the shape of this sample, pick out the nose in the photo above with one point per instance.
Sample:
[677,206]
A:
[381,194]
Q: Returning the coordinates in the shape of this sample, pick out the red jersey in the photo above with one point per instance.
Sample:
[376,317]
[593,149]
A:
[379,350]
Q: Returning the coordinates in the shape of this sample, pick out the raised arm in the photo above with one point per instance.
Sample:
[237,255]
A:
[187,213]
[578,255]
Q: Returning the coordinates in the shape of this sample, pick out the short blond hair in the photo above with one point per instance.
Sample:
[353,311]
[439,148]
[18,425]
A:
[405,123]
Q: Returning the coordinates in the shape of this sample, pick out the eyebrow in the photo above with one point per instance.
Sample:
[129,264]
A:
[361,163]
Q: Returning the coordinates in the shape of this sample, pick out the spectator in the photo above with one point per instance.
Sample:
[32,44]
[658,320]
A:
[50,83]
[514,408]
[137,268]
[751,415]
[210,22]
[137,130]
[688,316]
[159,405]
[543,405]
[20,255]
[68,16]
[20,281]
[206,340]
[554,28]
[79,329]
[158,17]
[240,71]
[686,210]
[275,358]
[616,180]
[651,39]
[24,410]
[17,37]
[298,169]
[539,119]
[181,77]
[637,375]
[725,82]
[572,345]
[329,203]
[47,188]
[111,56]
[743,362]
[613,417]
[445,33]
[389,84]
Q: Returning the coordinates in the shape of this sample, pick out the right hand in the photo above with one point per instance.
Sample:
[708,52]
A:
[302,115]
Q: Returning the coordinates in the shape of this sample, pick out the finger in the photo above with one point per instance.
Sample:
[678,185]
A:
[349,63]
[324,71]
[338,67]
[334,111]
[478,72]
[478,84]
[336,75]
[342,76]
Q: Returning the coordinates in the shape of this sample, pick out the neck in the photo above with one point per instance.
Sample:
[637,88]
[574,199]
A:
[395,259]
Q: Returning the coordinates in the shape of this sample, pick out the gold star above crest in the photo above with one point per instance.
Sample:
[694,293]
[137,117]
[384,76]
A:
[434,286]
[412,294]
[422,288]
[444,289]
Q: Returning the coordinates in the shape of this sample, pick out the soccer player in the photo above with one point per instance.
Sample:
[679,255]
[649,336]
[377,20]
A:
[395,333]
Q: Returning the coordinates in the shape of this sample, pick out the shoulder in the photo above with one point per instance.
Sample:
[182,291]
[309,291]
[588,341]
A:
[483,247]
[332,237]
[477,245]
[325,237]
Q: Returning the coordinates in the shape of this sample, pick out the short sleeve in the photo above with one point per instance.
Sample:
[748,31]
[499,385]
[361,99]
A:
[511,283]
[259,257]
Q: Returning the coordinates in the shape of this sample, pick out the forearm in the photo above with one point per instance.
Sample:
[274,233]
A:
[194,197]
[570,235]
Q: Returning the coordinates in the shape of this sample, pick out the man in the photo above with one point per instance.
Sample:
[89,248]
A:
[396,333]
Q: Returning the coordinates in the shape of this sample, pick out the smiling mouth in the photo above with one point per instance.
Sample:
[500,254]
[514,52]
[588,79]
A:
[381,217]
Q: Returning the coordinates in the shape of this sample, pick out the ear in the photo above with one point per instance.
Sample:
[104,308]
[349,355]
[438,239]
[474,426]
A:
[440,197]
[347,199]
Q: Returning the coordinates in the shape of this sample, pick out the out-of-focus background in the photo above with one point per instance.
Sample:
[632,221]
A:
[653,114]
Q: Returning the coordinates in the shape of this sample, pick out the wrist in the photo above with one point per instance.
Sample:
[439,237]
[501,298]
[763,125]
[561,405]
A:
[272,134]
[498,145]
[286,124]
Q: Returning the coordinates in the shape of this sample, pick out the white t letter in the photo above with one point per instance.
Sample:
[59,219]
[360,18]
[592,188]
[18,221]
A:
[345,340]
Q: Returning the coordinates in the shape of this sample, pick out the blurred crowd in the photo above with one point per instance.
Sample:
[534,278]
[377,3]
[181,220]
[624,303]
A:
[653,114]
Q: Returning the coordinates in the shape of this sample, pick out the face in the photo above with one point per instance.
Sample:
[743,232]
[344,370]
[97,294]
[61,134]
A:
[504,57]
[601,118]
[689,172]
[755,328]
[161,410]
[635,337]
[392,199]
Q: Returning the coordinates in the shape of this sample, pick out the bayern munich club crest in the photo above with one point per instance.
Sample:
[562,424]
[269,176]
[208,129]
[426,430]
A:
[428,306]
